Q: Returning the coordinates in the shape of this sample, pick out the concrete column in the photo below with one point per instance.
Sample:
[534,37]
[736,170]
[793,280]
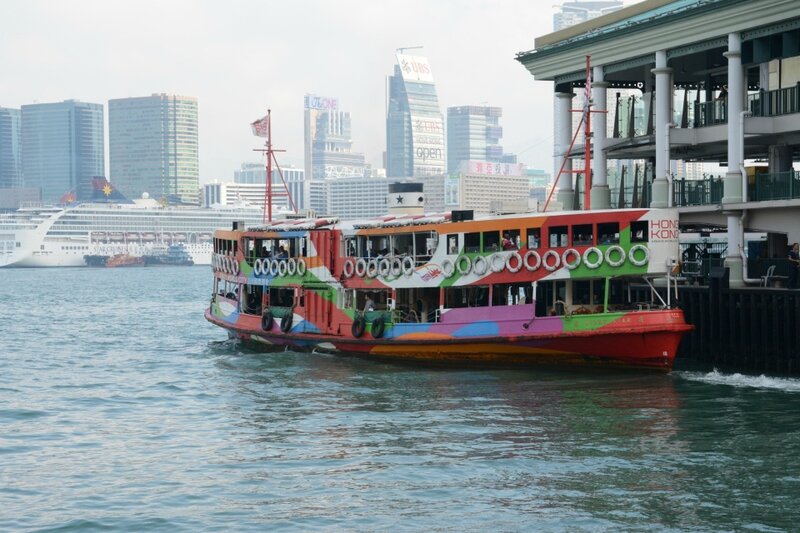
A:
[563,137]
[600,195]
[663,119]
[732,184]
[733,178]
[780,158]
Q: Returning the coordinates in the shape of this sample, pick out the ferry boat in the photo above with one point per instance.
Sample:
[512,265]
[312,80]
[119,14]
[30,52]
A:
[539,288]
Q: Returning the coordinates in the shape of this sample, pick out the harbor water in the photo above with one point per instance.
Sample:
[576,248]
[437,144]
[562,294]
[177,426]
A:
[121,409]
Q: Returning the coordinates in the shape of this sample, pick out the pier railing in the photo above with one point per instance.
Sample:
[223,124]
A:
[775,186]
[687,192]
[776,102]
[710,113]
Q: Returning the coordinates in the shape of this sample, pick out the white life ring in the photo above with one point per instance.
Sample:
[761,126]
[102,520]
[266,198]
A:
[408,265]
[349,268]
[463,270]
[384,267]
[547,266]
[513,269]
[632,255]
[229,265]
[274,267]
[282,268]
[301,267]
[480,270]
[397,267]
[493,265]
[576,254]
[291,267]
[448,268]
[593,264]
[372,268]
[257,267]
[615,262]
[214,261]
[361,268]
[525,260]
[235,267]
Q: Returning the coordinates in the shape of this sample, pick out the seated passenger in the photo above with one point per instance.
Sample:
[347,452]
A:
[508,242]
[282,253]
[369,305]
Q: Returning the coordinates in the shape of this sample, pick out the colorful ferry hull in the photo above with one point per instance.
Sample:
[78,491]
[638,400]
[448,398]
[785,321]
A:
[530,303]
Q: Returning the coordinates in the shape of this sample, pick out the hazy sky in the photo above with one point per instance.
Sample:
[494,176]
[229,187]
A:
[241,57]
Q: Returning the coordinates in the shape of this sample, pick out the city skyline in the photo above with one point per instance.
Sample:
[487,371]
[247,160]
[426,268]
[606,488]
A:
[238,70]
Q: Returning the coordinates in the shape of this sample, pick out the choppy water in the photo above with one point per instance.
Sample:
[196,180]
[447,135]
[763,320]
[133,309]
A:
[121,409]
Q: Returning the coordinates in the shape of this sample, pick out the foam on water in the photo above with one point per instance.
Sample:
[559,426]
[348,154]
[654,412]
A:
[716,377]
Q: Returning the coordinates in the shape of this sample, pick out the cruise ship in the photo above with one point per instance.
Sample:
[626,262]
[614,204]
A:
[60,236]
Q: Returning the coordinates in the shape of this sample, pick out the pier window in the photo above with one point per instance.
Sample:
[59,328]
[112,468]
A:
[472,242]
[639,231]
[559,236]
[608,233]
[582,235]
[471,296]
[534,237]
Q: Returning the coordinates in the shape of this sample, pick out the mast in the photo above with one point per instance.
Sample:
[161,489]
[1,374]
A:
[268,203]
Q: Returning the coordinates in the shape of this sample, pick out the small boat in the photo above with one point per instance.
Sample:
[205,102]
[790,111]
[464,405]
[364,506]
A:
[124,260]
[539,288]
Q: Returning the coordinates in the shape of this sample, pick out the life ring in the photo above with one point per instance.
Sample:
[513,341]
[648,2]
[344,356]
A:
[593,264]
[632,255]
[408,265]
[372,268]
[359,324]
[575,253]
[349,268]
[378,327]
[384,267]
[282,268]
[480,271]
[615,262]
[286,322]
[548,266]
[448,268]
[291,267]
[361,268]
[266,320]
[257,267]
[518,258]
[493,265]
[463,270]
[525,260]
[235,267]
[397,267]
[301,267]
[274,267]
[228,265]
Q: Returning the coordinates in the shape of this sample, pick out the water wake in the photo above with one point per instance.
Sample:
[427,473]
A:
[742,380]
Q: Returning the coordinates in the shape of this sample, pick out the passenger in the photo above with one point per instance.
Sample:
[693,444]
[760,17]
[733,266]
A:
[282,253]
[508,242]
[369,305]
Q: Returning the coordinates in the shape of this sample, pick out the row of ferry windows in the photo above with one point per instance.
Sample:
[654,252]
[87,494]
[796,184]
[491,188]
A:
[555,237]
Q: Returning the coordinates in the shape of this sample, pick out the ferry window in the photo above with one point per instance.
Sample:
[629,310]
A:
[582,235]
[472,242]
[512,294]
[452,244]
[281,297]
[558,236]
[511,239]
[403,243]
[534,237]
[425,243]
[378,246]
[350,249]
[473,296]
[639,231]
[608,233]
[491,241]
[581,292]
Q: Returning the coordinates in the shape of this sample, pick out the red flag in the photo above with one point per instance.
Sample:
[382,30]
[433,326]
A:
[259,127]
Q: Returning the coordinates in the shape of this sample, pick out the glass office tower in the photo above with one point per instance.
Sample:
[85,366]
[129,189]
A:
[10,148]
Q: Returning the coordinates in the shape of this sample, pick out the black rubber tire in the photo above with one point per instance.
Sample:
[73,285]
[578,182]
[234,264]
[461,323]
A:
[266,320]
[378,327]
[286,322]
[359,325]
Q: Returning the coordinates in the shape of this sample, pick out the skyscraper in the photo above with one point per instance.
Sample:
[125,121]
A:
[473,133]
[62,148]
[256,174]
[10,148]
[414,123]
[328,140]
[153,146]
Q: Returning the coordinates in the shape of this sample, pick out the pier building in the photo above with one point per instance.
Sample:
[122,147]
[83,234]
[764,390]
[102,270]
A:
[718,82]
